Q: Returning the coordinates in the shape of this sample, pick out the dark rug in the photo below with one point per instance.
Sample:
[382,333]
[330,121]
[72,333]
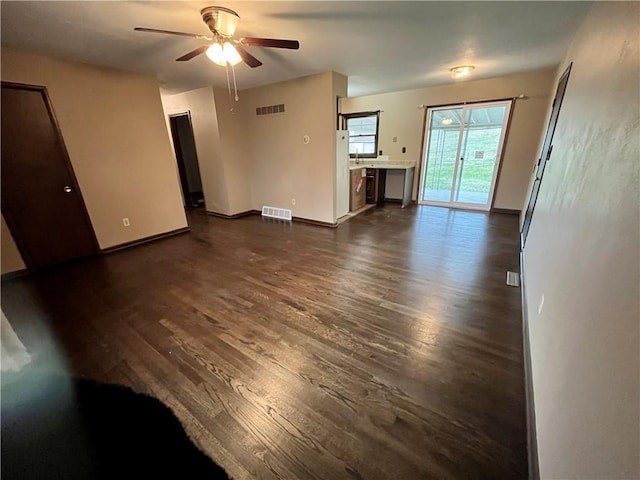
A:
[55,427]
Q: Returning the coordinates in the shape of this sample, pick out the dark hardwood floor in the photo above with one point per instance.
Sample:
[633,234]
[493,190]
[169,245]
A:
[387,348]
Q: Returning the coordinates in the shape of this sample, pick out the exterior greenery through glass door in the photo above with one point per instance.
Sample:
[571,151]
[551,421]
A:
[462,154]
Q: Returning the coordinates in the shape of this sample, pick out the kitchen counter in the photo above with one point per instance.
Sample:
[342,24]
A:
[382,166]
[390,165]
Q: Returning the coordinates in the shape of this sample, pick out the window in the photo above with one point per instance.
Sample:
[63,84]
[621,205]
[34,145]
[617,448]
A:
[363,133]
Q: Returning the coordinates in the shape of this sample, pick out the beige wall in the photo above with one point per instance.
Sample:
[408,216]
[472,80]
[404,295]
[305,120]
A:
[113,127]
[583,255]
[402,118]
[10,258]
[281,166]
[200,104]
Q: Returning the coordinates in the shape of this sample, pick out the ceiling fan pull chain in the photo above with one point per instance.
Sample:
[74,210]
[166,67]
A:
[226,68]
[235,87]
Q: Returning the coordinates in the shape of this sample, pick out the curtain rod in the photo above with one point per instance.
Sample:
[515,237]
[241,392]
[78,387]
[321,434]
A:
[519,97]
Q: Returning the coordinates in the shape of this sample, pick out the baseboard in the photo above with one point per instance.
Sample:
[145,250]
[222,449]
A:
[257,212]
[141,241]
[507,211]
[12,275]
[532,437]
[399,200]
[235,215]
[314,222]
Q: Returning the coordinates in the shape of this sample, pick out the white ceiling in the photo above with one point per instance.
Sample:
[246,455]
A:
[381,46]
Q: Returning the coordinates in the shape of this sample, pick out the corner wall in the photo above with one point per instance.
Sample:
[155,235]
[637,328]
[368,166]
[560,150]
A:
[403,118]
[235,137]
[112,124]
[583,255]
[282,167]
[340,87]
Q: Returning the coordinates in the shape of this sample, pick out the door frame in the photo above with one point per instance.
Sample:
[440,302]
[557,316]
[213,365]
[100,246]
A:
[8,211]
[545,155]
[500,152]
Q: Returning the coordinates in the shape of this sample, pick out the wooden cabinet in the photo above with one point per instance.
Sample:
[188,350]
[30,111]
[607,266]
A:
[358,188]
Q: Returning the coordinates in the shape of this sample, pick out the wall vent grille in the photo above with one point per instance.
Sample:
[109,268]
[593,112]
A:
[270,110]
[273,212]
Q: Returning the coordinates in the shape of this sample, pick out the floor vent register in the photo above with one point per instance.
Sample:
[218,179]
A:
[273,212]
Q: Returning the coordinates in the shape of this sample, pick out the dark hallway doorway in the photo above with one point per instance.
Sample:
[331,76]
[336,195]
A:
[187,158]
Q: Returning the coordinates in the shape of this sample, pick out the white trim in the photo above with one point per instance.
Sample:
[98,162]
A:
[460,205]
[456,181]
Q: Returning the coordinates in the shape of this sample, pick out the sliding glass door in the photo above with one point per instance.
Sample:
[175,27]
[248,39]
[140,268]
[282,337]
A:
[463,145]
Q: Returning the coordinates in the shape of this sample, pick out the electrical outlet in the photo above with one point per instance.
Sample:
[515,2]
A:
[395,139]
[541,304]
[404,149]
[126,222]
[293,201]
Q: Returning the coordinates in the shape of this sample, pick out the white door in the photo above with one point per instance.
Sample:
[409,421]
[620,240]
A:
[342,172]
[463,149]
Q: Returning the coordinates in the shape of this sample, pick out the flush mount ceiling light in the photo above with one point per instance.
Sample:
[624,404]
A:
[462,71]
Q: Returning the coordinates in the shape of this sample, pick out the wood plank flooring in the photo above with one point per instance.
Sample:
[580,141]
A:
[387,348]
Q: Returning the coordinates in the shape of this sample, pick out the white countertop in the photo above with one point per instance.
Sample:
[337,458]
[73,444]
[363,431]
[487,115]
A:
[389,164]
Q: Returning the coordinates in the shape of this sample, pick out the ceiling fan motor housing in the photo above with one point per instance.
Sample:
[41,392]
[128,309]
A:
[220,20]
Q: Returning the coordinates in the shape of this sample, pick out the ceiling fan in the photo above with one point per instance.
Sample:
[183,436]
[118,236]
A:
[222,48]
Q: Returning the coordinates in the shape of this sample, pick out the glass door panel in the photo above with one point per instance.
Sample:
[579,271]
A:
[442,151]
[479,154]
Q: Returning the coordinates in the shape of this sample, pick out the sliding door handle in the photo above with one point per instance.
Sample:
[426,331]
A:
[67,189]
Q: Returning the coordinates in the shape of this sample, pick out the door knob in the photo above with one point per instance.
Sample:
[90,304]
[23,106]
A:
[67,189]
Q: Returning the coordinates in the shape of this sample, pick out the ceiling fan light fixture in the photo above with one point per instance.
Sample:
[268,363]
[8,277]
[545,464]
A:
[231,54]
[462,71]
[223,54]
[216,54]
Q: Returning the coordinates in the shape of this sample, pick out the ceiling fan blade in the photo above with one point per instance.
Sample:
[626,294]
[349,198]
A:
[171,32]
[193,53]
[247,58]
[270,42]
